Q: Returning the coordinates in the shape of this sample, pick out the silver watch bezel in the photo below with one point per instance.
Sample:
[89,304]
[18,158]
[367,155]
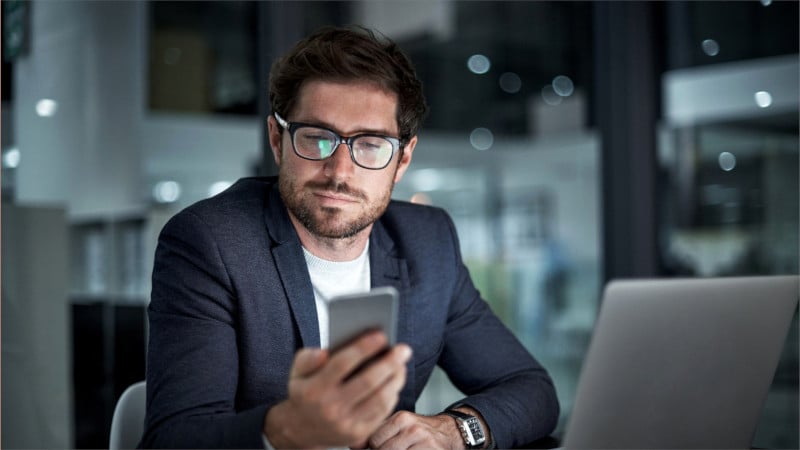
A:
[464,421]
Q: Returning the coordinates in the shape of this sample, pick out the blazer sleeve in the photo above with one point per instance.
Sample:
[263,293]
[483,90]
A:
[192,360]
[501,379]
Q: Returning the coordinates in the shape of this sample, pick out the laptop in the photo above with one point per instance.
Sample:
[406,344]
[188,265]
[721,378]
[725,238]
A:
[681,363]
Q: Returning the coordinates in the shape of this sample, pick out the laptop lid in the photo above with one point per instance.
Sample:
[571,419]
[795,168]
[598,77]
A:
[681,363]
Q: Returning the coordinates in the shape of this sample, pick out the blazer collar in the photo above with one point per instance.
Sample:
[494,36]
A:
[276,217]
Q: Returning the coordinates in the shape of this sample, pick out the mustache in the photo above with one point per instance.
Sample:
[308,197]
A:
[337,187]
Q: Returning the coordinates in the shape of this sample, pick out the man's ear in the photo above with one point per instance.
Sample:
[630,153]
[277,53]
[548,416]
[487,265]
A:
[275,139]
[405,159]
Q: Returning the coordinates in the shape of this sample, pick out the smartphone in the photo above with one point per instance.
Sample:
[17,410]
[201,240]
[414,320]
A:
[352,315]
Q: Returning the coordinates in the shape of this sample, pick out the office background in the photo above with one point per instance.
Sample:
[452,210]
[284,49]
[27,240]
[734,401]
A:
[572,142]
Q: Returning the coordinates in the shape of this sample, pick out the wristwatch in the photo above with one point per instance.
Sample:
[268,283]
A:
[470,427]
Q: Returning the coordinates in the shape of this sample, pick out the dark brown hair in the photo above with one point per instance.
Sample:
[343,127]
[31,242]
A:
[349,54]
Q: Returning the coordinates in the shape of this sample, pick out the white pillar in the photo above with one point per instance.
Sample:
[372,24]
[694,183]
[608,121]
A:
[85,56]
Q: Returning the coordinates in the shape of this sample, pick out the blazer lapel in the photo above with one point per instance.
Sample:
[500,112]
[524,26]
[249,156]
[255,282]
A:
[290,262]
[388,269]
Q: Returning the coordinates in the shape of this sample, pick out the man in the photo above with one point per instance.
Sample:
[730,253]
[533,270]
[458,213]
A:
[237,353]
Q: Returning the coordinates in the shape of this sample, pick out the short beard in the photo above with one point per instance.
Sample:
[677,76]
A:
[324,222]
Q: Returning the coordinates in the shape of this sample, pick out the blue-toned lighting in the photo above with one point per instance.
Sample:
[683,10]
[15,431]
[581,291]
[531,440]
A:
[11,158]
[481,139]
[479,64]
[710,47]
[550,96]
[218,187]
[46,107]
[166,191]
[563,86]
[727,161]
[763,99]
[510,82]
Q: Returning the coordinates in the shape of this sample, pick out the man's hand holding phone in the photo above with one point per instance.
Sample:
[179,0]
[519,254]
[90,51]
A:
[330,405]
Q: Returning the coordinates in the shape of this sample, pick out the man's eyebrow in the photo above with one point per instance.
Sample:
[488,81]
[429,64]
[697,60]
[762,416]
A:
[323,124]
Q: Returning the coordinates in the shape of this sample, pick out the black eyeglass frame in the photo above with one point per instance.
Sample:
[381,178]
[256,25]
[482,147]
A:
[292,127]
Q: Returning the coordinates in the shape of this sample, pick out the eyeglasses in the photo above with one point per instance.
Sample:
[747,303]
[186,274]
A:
[313,142]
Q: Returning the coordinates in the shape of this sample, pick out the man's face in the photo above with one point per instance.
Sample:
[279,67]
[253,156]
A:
[335,198]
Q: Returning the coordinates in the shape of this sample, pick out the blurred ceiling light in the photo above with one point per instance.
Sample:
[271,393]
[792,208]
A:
[562,85]
[510,82]
[727,161]
[481,138]
[218,187]
[550,97]
[46,107]
[166,191]
[766,2]
[11,158]
[710,47]
[479,64]
[763,99]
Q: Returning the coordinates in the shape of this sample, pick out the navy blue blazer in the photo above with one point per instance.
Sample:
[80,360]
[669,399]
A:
[232,302]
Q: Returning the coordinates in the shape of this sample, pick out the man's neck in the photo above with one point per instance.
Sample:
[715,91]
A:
[332,249]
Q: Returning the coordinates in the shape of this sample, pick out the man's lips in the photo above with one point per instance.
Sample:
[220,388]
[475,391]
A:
[335,196]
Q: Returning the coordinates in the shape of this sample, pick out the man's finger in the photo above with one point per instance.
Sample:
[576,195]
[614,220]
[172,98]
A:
[345,360]
[307,361]
[379,373]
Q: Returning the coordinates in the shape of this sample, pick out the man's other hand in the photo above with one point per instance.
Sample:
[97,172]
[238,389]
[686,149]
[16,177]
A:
[330,406]
[406,430]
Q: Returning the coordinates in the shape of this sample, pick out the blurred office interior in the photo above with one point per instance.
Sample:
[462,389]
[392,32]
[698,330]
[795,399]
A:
[572,143]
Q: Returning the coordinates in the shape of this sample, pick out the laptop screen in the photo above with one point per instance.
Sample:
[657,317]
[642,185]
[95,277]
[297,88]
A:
[681,363]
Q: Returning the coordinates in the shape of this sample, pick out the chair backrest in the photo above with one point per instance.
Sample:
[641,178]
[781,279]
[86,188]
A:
[127,424]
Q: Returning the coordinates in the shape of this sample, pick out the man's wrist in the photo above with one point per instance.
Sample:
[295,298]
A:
[471,428]
[275,431]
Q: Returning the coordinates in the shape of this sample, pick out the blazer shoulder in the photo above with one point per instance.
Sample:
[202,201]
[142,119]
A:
[407,214]
[238,209]
[413,228]
[241,199]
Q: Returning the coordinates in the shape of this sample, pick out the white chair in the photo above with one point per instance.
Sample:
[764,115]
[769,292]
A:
[127,425]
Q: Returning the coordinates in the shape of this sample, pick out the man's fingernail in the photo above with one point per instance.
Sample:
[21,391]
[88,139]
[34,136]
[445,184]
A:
[405,352]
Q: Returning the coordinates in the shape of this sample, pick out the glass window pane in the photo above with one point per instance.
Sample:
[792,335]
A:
[508,151]
[730,194]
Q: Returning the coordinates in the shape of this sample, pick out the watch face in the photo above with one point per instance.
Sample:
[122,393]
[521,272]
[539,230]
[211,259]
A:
[476,430]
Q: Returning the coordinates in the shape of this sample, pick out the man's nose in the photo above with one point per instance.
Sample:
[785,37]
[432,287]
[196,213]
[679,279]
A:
[340,164]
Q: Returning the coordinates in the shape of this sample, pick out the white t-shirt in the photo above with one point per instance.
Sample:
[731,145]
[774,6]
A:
[332,278]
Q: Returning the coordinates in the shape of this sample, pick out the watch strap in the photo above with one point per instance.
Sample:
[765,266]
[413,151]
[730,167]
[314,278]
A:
[458,414]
